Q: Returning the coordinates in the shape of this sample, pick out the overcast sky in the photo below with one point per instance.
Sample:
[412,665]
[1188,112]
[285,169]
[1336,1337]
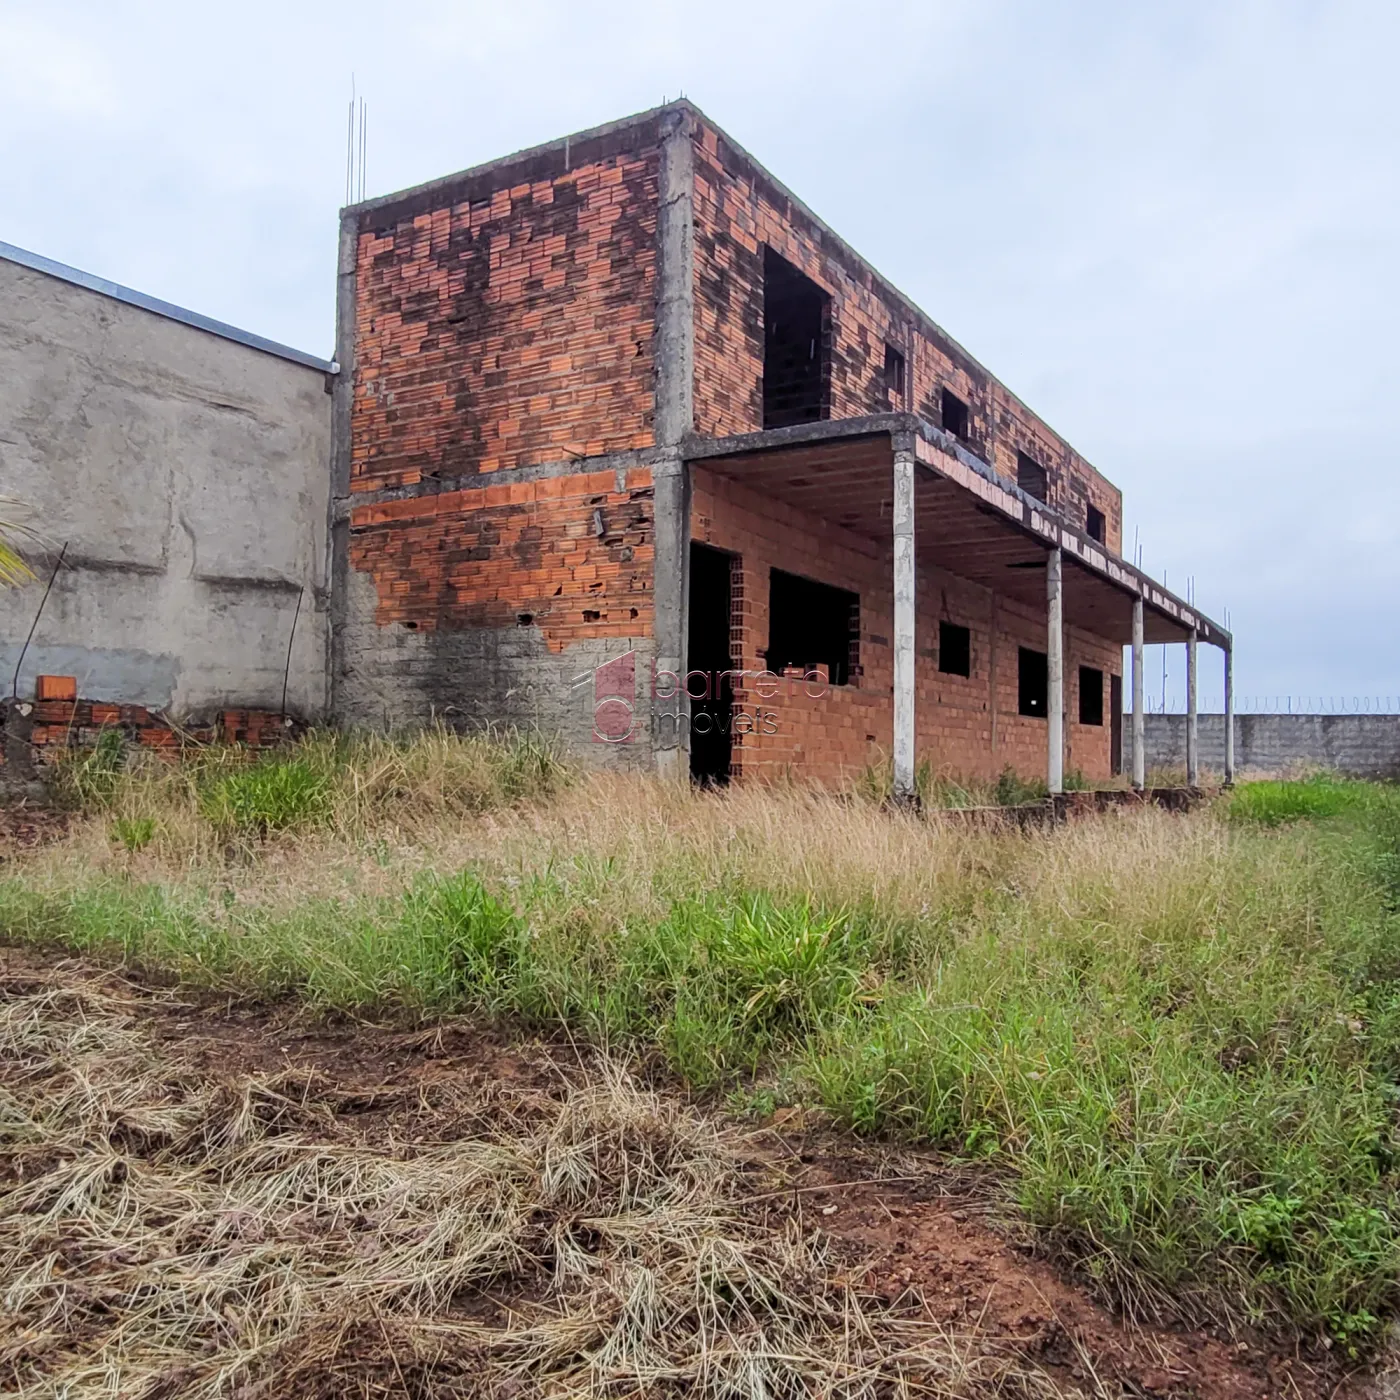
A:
[1170,226]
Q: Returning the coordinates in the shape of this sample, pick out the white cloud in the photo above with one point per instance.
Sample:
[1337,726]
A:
[47,72]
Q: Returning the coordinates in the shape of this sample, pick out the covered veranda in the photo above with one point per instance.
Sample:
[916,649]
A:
[903,483]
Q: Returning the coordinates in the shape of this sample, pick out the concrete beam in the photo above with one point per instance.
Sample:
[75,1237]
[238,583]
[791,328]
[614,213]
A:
[904,625]
[1139,728]
[621,462]
[1193,744]
[1055,665]
[941,454]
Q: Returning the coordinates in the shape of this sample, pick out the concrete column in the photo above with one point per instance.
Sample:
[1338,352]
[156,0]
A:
[674,359]
[1193,745]
[1054,668]
[671,597]
[342,403]
[1139,725]
[904,584]
[1229,716]
[1055,658]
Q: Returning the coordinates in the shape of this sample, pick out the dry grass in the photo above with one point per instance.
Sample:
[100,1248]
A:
[1179,1035]
[163,1234]
[649,834]
[221,802]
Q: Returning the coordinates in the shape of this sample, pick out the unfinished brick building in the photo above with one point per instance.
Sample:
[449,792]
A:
[620,407]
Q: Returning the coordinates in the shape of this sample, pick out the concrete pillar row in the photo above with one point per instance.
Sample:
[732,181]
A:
[1055,666]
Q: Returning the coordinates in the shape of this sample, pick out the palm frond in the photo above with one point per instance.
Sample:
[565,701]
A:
[14,570]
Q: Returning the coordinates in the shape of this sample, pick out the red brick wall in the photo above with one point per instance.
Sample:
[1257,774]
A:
[737,212]
[500,328]
[1000,427]
[572,554]
[53,728]
[835,736]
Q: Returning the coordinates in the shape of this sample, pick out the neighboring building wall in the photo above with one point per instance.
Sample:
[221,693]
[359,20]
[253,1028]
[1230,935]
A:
[1365,746]
[738,209]
[187,475]
[502,321]
[960,732]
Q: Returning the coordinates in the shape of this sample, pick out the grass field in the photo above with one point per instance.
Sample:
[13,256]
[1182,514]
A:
[1176,1039]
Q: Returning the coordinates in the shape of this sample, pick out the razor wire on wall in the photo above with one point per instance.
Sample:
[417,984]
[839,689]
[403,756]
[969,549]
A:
[1280,705]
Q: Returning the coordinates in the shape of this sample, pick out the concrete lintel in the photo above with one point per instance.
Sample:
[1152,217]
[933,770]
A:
[698,448]
[506,476]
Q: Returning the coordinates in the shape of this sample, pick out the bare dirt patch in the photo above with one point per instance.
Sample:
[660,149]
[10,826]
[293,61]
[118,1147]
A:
[27,825]
[205,1197]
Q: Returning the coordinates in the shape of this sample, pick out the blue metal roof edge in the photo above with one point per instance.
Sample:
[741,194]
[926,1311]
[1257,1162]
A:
[117,292]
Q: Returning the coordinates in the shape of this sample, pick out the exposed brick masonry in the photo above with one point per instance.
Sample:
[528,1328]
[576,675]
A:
[571,555]
[507,327]
[58,721]
[833,737]
[737,211]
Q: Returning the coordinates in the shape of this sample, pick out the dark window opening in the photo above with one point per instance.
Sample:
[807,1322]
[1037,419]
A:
[1033,683]
[894,377]
[709,651]
[954,649]
[1090,695]
[812,624]
[796,346]
[1030,477]
[955,418]
[1094,523]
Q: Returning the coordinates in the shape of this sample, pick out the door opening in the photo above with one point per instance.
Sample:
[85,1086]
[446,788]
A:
[1115,721]
[709,661]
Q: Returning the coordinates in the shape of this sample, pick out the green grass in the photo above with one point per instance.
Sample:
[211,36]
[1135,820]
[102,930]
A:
[1178,1039]
[348,782]
[1273,802]
[937,789]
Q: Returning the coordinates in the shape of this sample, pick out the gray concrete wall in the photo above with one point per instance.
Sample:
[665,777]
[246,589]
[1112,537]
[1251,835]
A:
[189,475]
[473,678]
[1362,745]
